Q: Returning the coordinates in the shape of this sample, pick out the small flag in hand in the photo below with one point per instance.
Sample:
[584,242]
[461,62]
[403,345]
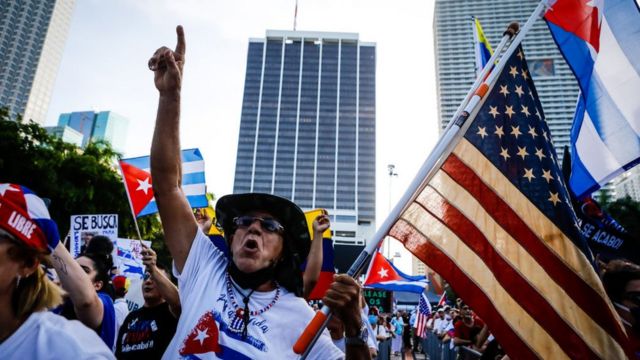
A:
[424,310]
[383,275]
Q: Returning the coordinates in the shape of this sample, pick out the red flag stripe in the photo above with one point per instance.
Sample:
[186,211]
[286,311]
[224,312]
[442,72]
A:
[437,260]
[584,295]
[510,279]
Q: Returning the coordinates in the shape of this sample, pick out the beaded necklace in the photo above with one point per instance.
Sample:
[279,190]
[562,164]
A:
[241,320]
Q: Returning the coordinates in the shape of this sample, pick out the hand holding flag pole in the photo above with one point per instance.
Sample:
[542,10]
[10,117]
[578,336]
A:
[444,145]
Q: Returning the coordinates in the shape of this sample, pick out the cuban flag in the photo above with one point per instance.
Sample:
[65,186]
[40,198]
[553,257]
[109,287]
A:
[383,275]
[137,179]
[601,42]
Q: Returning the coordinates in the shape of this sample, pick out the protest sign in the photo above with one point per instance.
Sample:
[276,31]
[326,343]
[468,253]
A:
[378,298]
[85,227]
[129,263]
[605,236]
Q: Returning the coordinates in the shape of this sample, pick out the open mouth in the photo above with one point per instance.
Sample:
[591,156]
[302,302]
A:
[251,245]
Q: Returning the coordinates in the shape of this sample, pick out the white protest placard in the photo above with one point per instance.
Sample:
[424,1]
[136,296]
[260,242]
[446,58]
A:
[129,262]
[85,227]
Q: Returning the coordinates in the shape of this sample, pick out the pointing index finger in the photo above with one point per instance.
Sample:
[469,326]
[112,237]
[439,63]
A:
[180,47]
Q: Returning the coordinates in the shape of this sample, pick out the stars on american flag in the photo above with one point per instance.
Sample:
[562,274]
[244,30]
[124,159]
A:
[482,131]
[510,130]
[528,173]
[504,153]
[522,152]
[519,90]
[513,71]
[493,110]
[509,111]
[504,91]
[515,131]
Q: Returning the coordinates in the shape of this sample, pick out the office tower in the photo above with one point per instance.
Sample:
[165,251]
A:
[455,63]
[32,38]
[628,184]
[66,133]
[307,130]
[93,126]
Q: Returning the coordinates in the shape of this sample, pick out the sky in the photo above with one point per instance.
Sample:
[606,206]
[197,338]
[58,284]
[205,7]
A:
[104,68]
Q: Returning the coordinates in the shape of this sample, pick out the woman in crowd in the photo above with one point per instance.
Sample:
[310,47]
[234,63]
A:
[87,280]
[27,329]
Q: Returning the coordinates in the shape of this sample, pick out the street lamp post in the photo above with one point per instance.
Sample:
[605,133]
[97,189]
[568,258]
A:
[392,172]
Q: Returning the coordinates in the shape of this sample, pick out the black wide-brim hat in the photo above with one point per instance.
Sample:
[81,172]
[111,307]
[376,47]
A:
[296,236]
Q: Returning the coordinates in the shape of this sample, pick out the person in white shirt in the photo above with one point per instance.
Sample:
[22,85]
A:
[247,305]
[27,329]
[437,322]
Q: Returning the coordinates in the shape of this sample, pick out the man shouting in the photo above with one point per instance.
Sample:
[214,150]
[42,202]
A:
[248,305]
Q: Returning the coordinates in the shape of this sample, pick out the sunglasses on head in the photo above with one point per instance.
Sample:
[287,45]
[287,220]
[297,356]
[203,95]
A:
[268,224]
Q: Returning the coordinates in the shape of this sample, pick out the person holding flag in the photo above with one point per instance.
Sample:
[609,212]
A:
[248,305]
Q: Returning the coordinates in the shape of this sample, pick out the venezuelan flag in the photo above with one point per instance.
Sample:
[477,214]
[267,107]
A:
[328,268]
[482,47]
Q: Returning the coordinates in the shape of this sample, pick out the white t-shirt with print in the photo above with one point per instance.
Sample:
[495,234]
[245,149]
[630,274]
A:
[209,328]
[45,335]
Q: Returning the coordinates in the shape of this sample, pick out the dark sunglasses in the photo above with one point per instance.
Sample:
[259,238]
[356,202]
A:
[146,276]
[268,224]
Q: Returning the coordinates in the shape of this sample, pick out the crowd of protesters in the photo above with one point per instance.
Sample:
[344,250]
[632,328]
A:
[457,325]
[247,303]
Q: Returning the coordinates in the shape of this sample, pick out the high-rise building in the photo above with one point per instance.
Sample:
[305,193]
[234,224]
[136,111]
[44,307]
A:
[455,62]
[67,134]
[93,126]
[32,38]
[307,131]
[417,267]
[628,184]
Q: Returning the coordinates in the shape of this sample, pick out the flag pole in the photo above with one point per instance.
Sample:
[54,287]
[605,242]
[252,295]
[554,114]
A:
[443,147]
[135,219]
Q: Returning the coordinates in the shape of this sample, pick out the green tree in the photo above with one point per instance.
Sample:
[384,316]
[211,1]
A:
[626,212]
[76,181]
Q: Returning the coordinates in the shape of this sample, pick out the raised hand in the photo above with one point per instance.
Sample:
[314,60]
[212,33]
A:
[204,221]
[167,66]
[321,223]
[149,258]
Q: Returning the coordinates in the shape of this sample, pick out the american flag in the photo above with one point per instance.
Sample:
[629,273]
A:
[424,310]
[496,222]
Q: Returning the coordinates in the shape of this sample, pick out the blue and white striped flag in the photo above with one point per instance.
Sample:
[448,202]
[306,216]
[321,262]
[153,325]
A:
[601,42]
[193,181]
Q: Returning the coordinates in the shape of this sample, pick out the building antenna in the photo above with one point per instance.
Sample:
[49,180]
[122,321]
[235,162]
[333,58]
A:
[295,16]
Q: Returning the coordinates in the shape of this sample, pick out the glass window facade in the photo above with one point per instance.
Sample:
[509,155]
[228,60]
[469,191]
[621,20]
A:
[32,37]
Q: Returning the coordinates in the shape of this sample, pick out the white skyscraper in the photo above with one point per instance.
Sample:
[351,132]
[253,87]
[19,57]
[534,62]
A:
[32,38]
[307,130]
